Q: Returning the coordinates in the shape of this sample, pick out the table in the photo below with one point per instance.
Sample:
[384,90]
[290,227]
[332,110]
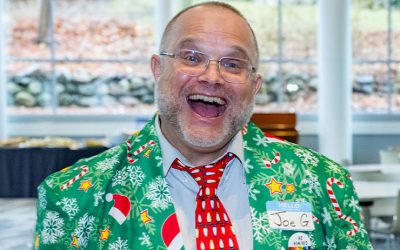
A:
[23,169]
[377,198]
[373,190]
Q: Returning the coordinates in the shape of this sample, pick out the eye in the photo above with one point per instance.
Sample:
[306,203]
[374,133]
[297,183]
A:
[233,65]
[191,57]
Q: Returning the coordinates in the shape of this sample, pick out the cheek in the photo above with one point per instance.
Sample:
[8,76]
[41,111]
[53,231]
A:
[244,95]
[172,82]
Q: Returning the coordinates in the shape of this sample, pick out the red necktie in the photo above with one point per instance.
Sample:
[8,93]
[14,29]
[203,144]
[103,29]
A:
[213,226]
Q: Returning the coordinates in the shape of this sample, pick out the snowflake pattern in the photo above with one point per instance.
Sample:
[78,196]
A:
[306,156]
[333,167]
[158,194]
[330,243]
[135,175]
[98,197]
[53,228]
[261,140]
[253,191]
[326,217]
[145,240]
[313,184]
[247,166]
[119,245]
[119,178]
[353,203]
[260,225]
[42,197]
[288,168]
[84,229]
[108,163]
[70,206]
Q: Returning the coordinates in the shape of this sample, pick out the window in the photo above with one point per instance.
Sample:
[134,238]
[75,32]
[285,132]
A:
[376,33]
[92,56]
[79,56]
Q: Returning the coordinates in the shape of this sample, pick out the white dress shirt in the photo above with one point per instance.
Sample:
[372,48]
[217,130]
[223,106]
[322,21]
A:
[232,191]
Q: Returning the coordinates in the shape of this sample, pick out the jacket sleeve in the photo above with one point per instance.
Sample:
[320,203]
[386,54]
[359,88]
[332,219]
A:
[349,231]
[51,230]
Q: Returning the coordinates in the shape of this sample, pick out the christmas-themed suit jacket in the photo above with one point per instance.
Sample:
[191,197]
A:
[119,199]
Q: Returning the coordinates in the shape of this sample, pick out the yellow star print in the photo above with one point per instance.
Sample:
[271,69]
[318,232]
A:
[290,188]
[145,217]
[65,169]
[85,185]
[104,234]
[274,186]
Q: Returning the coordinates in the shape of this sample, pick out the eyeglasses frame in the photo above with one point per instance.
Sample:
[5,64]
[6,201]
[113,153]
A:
[174,55]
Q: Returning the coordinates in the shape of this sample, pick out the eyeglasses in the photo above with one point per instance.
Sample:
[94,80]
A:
[195,63]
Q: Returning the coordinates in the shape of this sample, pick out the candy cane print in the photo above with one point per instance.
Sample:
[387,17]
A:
[138,151]
[85,169]
[276,159]
[335,203]
[244,130]
[315,219]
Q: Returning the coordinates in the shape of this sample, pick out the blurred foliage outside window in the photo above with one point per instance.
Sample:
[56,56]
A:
[94,58]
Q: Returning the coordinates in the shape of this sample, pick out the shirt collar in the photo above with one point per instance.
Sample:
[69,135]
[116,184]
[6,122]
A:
[170,153]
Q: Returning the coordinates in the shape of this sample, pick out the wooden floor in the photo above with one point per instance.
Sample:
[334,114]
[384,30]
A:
[17,223]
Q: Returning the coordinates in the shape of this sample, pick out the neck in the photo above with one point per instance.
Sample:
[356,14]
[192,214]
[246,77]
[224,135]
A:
[202,157]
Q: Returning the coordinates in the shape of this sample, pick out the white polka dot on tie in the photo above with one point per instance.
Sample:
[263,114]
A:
[212,244]
[205,231]
[208,217]
[217,217]
[226,217]
[214,230]
[230,242]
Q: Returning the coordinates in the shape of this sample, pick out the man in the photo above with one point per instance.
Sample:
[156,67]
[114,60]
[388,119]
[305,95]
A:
[198,176]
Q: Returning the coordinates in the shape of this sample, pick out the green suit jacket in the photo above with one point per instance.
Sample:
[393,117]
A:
[119,199]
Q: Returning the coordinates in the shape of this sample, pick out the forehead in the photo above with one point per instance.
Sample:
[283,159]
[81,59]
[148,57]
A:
[212,30]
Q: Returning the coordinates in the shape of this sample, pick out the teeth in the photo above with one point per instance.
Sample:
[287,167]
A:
[207,99]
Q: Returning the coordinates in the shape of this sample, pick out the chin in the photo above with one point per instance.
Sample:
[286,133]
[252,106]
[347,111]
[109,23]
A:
[204,138]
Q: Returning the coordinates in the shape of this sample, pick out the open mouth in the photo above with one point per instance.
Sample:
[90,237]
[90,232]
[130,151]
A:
[207,106]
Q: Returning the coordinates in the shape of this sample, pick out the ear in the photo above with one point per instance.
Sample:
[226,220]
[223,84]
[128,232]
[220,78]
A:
[258,83]
[155,64]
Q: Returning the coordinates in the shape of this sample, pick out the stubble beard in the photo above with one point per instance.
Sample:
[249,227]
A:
[170,110]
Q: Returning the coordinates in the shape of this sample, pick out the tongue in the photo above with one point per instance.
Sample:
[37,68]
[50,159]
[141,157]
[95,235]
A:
[206,110]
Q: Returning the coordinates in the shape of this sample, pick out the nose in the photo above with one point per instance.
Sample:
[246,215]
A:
[211,73]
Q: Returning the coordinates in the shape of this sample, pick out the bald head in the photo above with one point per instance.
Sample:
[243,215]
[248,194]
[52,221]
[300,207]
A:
[206,7]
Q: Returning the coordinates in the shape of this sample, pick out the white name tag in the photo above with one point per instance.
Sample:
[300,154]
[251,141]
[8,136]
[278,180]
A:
[290,215]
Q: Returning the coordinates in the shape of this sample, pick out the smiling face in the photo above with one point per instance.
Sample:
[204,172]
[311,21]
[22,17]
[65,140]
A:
[202,113]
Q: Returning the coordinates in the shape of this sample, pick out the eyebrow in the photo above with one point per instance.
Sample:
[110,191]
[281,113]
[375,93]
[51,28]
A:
[190,43]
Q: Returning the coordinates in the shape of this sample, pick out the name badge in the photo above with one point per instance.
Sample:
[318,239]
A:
[290,215]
